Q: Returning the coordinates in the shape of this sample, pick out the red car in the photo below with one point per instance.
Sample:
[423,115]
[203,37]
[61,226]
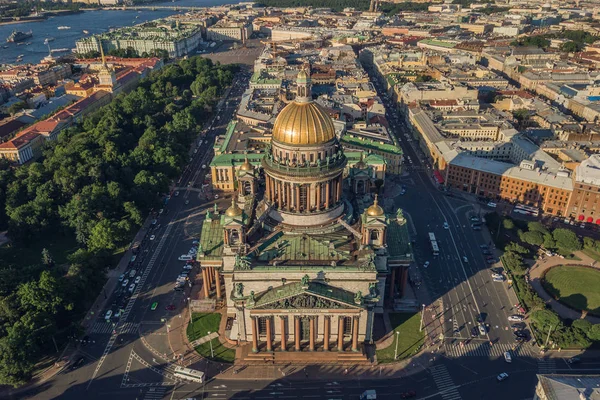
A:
[170,307]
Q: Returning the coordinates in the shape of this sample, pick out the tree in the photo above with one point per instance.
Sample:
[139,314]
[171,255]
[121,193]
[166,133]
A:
[16,107]
[549,242]
[508,224]
[566,240]
[47,258]
[533,238]
[537,226]
[582,324]
[516,248]
[594,332]
[545,320]
[514,263]
[570,47]
[103,236]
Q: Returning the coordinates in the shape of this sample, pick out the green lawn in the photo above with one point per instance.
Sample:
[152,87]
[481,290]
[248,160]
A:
[409,337]
[591,254]
[202,323]
[576,287]
[220,352]
[60,247]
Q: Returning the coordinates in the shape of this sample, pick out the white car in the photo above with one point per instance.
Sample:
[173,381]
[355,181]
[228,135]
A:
[502,377]
[152,237]
[137,280]
[121,277]
[195,241]
[108,315]
[176,193]
[516,318]
[446,226]
[187,266]
[131,287]
[507,357]
[125,282]
[465,259]
[426,264]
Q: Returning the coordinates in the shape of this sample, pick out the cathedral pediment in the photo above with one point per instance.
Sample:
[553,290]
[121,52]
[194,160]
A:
[311,295]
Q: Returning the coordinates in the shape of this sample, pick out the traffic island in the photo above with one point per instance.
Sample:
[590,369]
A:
[405,341]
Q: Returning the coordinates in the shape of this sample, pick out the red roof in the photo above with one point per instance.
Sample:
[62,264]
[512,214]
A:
[20,140]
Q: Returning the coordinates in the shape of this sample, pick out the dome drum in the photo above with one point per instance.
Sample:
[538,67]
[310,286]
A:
[335,167]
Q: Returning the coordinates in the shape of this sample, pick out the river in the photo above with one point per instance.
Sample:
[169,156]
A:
[92,21]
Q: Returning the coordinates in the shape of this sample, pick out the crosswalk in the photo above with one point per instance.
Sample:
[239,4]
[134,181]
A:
[546,365]
[444,382]
[483,349]
[155,393]
[107,327]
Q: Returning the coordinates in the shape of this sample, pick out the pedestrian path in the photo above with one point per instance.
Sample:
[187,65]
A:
[444,382]
[204,339]
[107,327]
[483,349]
[547,365]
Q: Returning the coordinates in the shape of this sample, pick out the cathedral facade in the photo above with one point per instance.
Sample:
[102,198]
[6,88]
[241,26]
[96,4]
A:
[300,262]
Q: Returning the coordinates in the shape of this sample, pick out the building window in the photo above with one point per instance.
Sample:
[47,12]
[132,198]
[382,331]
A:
[262,326]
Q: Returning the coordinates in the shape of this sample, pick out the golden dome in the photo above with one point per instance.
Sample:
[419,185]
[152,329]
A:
[246,166]
[303,123]
[233,210]
[375,210]
[302,75]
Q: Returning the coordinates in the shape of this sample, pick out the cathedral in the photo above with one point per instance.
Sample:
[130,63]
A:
[300,261]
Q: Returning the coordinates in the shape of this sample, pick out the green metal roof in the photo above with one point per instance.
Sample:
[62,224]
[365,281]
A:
[295,289]
[258,78]
[369,158]
[211,238]
[289,247]
[439,43]
[236,159]
[372,144]
[398,240]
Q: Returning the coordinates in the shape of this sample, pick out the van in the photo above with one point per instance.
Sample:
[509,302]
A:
[185,257]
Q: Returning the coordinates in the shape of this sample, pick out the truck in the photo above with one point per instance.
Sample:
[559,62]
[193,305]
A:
[369,395]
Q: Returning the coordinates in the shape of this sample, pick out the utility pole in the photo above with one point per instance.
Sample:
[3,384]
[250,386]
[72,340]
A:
[396,350]
[422,314]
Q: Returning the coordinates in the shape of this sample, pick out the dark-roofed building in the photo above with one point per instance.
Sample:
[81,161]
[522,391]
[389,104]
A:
[567,387]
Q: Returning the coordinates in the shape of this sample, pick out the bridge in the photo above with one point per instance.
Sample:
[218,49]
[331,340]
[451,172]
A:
[155,8]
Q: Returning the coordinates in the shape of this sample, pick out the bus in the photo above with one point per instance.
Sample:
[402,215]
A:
[527,210]
[434,246]
[189,374]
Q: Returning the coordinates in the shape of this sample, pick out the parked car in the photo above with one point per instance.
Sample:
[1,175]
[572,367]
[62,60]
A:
[125,282]
[137,280]
[502,376]
[121,277]
[516,318]
[131,288]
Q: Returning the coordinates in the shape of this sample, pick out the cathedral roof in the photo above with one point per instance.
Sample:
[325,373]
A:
[303,123]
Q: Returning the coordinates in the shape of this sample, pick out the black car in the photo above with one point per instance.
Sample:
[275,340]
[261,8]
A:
[518,326]
[474,332]
[77,363]
[408,395]
[487,252]
[574,360]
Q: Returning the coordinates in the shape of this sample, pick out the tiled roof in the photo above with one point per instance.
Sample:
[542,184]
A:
[20,140]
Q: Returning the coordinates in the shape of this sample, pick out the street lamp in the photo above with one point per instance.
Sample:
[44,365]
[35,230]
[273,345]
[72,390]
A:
[396,350]
[211,349]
